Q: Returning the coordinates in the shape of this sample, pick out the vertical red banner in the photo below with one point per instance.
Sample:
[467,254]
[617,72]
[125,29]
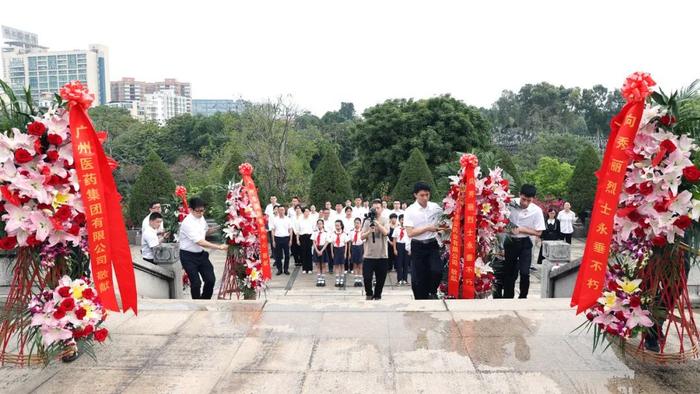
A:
[246,171]
[611,176]
[469,244]
[455,247]
[108,244]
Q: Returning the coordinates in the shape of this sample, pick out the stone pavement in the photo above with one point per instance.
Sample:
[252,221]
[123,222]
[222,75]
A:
[293,345]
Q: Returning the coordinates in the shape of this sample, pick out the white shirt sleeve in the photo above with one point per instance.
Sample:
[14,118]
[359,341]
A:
[539,223]
[408,218]
[151,238]
[193,231]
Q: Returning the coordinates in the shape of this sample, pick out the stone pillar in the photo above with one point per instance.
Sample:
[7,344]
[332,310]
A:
[555,253]
[167,255]
[694,285]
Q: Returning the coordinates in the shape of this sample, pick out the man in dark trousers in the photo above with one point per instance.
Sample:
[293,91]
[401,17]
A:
[194,260]
[375,229]
[420,220]
[526,220]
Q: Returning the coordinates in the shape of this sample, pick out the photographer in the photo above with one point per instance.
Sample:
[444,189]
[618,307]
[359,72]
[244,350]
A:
[421,219]
[375,229]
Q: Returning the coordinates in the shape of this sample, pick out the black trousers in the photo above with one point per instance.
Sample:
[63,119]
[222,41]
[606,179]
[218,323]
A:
[196,265]
[567,238]
[306,245]
[282,251]
[401,262]
[392,257]
[296,250]
[426,269]
[377,267]
[518,254]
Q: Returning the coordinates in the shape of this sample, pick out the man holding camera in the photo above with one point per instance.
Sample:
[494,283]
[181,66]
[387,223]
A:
[421,223]
[375,229]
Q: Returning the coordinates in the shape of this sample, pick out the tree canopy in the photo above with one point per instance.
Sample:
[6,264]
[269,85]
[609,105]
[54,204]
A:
[413,170]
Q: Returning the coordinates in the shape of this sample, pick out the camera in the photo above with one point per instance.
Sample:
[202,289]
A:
[371,215]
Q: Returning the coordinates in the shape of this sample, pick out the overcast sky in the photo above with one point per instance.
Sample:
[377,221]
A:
[325,52]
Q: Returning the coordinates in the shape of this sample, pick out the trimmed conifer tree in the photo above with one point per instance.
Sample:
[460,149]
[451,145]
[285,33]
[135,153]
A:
[230,170]
[583,182]
[154,183]
[330,181]
[413,170]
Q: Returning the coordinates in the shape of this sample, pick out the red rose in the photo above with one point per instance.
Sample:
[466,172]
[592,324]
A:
[36,128]
[59,314]
[23,156]
[590,316]
[667,120]
[80,313]
[659,241]
[668,146]
[646,188]
[32,241]
[37,146]
[52,156]
[8,243]
[88,294]
[691,174]
[88,330]
[635,301]
[64,291]
[68,303]
[683,222]
[54,139]
[611,330]
[620,315]
[101,334]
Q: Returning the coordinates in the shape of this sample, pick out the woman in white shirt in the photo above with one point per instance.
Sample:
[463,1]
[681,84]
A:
[320,250]
[356,251]
[399,241]
[566,218]
[304,230]
[339,251]
[296,240]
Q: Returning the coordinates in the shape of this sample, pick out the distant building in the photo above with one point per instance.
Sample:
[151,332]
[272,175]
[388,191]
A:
[28,65]
[154,101]
[163,105]
[210,107]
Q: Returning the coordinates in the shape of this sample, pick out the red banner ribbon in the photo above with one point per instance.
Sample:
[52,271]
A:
[611,176]
[107,240]
[470,211]
[455,247]
[246,171]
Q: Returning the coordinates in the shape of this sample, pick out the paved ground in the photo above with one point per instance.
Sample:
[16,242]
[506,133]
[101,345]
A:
[302,339]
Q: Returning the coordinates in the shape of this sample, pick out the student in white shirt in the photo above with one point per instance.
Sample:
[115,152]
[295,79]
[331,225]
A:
[194,260]
[320,251]
[327,220]
[339,251]
[400,240]
[150,238]
[269,213]
[567,217]
[304,230]
[292,211]
[397,208]
[338,214]
[281,226]
[295,239]
[358,211]
[154,207]
[529,221]
[348,224]
[393,224]
[313,213]
[356,250]
[421,223]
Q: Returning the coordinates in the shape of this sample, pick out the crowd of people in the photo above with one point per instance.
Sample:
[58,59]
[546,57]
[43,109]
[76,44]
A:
[364,240]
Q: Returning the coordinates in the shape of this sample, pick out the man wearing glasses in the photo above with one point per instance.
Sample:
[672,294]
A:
[195,261]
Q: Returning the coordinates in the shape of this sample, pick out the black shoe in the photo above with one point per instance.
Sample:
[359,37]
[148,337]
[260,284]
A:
[278,273]
[286,272]
[369,298]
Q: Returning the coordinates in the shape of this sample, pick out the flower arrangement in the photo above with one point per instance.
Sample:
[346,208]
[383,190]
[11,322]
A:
[654,237]
[240,232]
[44,225]
[69,315]
[492,198]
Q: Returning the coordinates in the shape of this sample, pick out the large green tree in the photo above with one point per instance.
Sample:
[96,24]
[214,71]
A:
[582,185]
[330,182]
[564,147]
[550,177]
[154,183]
[438,126]
[413,170]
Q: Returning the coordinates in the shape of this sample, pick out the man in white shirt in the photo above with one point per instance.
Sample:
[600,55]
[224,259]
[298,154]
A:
[528,220]
[420,220]
[338,214]
[358,211]
[292,211]
[154,207]
[194,260]
[328,222]
[281,226]
[397,208]
[149,236]
[269,213]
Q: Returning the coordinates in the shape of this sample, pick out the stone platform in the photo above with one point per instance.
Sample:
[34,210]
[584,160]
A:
[293,345]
